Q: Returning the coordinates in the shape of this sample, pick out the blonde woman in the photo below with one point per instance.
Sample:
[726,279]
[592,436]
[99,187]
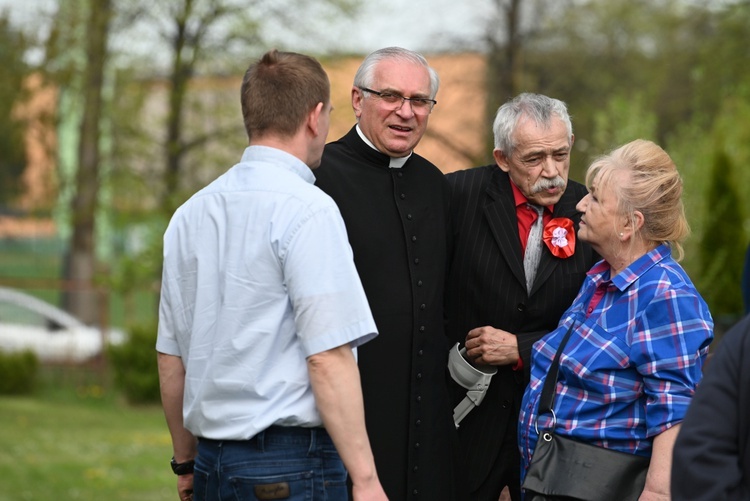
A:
[640,328]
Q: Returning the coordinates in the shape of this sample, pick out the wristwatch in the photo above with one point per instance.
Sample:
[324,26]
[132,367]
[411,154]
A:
[185,468]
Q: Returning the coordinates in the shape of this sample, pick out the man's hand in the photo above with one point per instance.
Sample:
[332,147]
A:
[185,487]
[489,346]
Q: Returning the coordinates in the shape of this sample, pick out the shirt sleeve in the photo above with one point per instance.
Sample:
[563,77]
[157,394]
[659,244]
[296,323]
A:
[166,338]
[329,303]
[669,345]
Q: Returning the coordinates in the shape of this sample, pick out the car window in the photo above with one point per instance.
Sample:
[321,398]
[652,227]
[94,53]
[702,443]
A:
[14,314]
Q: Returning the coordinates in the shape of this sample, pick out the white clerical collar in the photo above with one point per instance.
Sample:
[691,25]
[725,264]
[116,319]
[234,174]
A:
[396,163]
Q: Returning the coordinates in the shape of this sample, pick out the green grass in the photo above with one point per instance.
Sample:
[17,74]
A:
[75,439]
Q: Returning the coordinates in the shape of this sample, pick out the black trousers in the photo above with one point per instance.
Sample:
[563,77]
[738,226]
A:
[505,472]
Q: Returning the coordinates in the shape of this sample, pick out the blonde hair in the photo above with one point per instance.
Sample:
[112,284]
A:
[652,187]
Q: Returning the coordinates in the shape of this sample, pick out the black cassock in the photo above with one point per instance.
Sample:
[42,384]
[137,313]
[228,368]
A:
[397,221]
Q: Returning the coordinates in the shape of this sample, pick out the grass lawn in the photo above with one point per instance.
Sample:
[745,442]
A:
[79,441]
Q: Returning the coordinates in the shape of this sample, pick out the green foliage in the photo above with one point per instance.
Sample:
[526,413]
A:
[18,373]
[676,63]
[134,364]
[13,158]
[674,72]
[722,252]
[692,153]
[624,119]
[733,125]
[721,70]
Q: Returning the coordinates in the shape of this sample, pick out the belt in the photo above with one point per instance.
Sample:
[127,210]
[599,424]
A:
[276,433]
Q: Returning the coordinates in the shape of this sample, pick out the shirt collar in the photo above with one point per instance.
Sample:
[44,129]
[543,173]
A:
[395,163]
[257,153]
[601,271]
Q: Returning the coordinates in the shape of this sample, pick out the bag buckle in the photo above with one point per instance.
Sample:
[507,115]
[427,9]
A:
[554,422]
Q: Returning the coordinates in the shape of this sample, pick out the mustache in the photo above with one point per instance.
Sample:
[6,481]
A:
[545,184]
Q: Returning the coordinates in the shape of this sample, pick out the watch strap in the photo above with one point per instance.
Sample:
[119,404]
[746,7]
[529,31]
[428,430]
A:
[185,468]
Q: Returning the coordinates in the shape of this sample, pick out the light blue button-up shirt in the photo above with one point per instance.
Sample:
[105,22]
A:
[258,275]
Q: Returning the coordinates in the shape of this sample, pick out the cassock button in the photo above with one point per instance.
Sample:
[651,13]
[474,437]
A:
[419,398]
[415,492]
[420,352]
[416,260]
[419,375]
[400,174]
[421,328]
[413,238]
[418,422]
[416,468]
[422,306]
[402,196]
[416,446]
[419,283]
[409,216]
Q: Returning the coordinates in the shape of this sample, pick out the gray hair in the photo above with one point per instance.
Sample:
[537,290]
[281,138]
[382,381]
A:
[364,76]
[537,107]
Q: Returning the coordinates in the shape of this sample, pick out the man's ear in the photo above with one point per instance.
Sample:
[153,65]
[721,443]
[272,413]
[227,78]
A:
[501,160]
[357,98]
[313,119]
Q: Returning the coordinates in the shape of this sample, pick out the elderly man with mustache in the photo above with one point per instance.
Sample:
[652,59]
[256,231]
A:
[498,303]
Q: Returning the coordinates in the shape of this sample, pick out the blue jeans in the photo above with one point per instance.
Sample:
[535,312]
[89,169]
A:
[287,463]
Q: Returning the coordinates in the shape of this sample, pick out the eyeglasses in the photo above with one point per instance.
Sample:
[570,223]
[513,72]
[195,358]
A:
[419,105]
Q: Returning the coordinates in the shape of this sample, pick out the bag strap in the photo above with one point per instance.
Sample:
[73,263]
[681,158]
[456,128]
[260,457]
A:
[548,390]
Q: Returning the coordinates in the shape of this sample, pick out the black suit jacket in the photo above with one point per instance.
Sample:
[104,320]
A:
[711,458]
[486,286]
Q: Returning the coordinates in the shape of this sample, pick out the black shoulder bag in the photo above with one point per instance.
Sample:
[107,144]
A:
[564,468]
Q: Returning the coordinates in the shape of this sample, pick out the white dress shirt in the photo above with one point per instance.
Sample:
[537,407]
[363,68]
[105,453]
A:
[258,275]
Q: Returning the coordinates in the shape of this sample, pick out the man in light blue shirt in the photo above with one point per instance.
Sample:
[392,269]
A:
[261,312]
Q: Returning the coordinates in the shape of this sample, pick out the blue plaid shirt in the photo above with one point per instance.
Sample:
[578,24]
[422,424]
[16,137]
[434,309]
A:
[632,363]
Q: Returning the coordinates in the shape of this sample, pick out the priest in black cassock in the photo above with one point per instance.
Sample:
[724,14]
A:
[396,208]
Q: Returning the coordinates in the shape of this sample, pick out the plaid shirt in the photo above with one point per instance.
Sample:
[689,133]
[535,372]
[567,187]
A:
[632,363]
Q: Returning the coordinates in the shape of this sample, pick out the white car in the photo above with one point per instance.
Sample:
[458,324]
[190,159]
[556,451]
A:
[28,323]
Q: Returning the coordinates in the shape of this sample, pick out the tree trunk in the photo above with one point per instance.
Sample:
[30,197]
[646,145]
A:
[80,268]
[503,59]
[182,69]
